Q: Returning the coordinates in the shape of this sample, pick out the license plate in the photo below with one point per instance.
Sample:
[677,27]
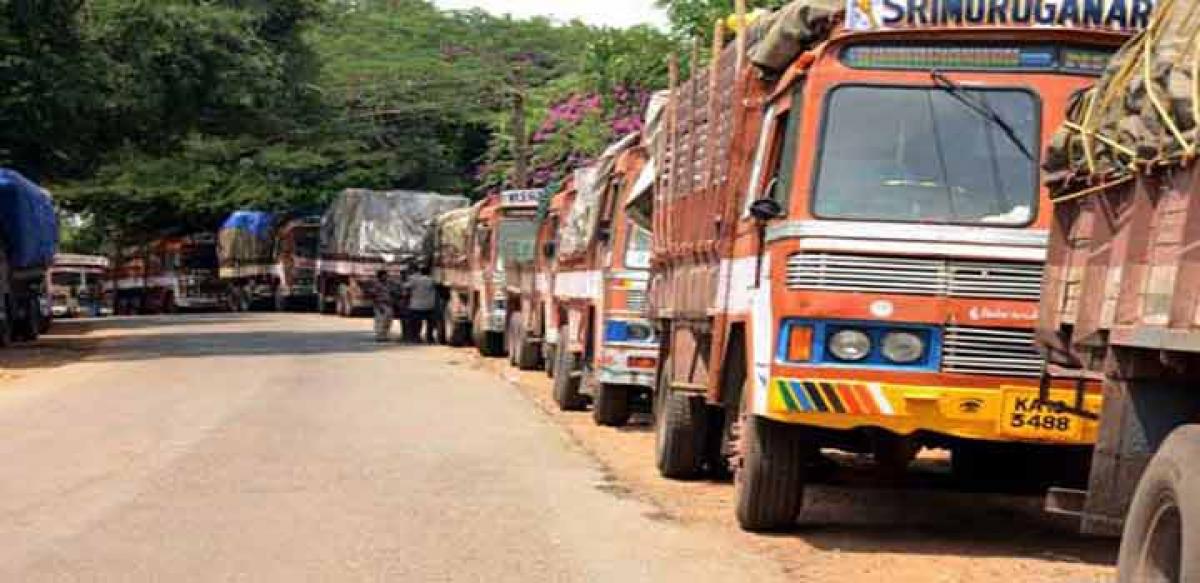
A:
[1024,417]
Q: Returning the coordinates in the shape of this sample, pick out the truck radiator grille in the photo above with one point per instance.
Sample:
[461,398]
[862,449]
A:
[636,300]
[904,275]
[990,351]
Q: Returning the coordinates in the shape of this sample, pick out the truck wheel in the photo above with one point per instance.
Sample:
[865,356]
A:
[769,479]
[678,433]
[491,344]
[611,408]
[6,337]
[527,352]
[1161,541]
[566,384]
[169,305]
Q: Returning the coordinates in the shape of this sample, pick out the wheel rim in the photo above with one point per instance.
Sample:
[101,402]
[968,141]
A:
[1162,554]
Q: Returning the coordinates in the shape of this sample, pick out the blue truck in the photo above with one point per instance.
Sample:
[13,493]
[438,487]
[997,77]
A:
[28,242]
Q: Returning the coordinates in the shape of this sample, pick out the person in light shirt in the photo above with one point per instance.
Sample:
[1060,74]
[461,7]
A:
[422,305]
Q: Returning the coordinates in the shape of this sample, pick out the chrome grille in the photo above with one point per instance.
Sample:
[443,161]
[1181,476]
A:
[990,351]
[636,300]
[903,275]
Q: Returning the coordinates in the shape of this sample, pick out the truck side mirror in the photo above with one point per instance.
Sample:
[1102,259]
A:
[549,248]
[604,234]
[766,209]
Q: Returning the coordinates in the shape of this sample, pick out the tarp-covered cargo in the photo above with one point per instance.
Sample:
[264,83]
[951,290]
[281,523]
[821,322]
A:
[590,183]
[776,40]
[374,224]
[28,223]
[1143,111]
[454,235]
[247,237]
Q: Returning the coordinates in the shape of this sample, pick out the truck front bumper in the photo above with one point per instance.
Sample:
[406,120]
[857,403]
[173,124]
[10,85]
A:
[627,365]
[1007,413]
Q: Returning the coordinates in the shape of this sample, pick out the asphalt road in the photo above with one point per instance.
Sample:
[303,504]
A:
[293,448]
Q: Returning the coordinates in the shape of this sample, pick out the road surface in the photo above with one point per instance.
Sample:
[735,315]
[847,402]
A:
[292,448]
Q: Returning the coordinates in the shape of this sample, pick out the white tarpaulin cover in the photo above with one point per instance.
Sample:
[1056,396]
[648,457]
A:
[367,223]
[590,184]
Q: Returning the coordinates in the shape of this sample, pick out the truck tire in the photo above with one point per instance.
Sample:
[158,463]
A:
[25,329]
[611,407]
[1161,541]
[566,384]
[678,433]
[6,337]
[769,478]
[456,333]
[491,344]
[527,352]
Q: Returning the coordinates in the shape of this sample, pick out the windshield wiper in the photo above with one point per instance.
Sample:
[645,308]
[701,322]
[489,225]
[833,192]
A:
[981,107]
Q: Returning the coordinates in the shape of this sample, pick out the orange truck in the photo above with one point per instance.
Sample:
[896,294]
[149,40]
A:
[532,312]
[605,349]
[1120,297]
[849,239]
[169,274]
[471,250]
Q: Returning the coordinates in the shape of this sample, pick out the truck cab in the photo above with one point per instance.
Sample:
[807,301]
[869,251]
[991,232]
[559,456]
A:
[297,249]
[504,229]
[877,266]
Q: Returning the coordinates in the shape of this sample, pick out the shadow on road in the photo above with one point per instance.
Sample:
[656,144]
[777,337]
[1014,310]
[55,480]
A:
[933,522]
[156,337]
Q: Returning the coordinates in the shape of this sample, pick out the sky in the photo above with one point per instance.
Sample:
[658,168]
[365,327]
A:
[619,13]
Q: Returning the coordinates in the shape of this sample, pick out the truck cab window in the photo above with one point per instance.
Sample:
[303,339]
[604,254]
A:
[767,172]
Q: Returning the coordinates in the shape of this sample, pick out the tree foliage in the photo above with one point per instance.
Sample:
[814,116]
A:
[696,19]
[149,116]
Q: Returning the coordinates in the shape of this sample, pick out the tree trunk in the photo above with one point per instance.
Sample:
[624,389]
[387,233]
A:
[520,176]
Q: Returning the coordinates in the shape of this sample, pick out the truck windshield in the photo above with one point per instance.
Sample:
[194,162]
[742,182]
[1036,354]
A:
[307,243]
[517,240]
[927,155]
[637,255]
[199,257]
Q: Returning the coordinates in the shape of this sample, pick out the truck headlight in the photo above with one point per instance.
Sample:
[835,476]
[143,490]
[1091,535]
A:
[902,347]
[850,345]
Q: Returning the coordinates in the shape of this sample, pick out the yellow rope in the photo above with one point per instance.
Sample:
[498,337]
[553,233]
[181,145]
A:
[1092,190]
[1154,33]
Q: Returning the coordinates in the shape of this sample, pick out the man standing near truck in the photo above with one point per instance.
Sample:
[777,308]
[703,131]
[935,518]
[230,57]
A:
[422,304]
[385,310]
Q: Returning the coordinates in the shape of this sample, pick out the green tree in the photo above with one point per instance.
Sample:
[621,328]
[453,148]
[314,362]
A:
[696,18]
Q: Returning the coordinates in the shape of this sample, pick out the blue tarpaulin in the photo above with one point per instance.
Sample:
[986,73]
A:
[246,237]
[27,221]
[258,223]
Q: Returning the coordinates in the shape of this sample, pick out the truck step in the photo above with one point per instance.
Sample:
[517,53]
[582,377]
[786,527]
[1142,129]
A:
[1065,501]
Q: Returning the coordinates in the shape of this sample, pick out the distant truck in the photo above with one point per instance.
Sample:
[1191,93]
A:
[170,274]
[79,286]
[534,314]
[366,231]
[606,349]
[28,242]
[469,264]
[1120,298]
[269,261]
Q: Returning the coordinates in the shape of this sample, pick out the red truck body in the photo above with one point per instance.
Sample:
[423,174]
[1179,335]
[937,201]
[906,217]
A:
[169,274]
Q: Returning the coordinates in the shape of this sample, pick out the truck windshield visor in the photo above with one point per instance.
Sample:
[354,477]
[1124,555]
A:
[929,155]
[516,241]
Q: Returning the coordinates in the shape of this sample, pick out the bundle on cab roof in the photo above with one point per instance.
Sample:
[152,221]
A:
[247,236]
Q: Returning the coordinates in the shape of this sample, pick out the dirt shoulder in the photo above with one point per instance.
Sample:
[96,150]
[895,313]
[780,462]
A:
[848,534]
